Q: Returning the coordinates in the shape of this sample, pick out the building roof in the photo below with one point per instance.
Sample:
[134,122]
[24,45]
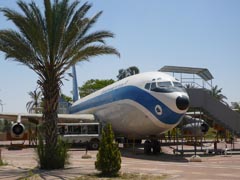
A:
[201,72]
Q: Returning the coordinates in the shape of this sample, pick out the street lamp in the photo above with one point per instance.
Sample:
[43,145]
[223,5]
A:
[1,104]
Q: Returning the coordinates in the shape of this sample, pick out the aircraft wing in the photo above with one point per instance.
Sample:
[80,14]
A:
[37,118]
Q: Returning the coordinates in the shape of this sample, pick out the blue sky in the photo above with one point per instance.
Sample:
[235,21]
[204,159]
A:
[149,35]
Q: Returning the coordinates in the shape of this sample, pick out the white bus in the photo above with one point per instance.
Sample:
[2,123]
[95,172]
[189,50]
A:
[81,133]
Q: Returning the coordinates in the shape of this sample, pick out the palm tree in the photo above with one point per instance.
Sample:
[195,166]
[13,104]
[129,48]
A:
[34,104]
[217,93]
[49,42]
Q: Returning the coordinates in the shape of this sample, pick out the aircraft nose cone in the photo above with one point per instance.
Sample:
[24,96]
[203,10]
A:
[182,102]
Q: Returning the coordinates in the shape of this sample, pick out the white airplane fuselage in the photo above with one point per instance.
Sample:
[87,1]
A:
[138,106]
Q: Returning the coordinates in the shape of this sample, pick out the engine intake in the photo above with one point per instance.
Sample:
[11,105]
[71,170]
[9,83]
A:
[17,130]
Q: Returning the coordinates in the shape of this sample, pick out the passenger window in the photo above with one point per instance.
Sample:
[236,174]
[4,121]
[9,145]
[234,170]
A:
[147,86]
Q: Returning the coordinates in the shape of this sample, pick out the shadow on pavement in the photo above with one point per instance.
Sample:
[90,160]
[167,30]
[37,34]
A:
[66,173]
[12,173]
[139,154]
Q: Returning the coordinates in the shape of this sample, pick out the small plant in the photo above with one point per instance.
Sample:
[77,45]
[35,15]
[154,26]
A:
[2,163]
[57,160]
[109,156]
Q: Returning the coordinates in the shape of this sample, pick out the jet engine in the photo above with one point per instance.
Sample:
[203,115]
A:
[17,130]
[194,126]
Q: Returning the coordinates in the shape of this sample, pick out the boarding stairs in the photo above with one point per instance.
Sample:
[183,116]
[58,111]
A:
[222,114]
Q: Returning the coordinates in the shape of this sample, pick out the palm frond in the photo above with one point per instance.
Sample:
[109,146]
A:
[91,51]
[17,48]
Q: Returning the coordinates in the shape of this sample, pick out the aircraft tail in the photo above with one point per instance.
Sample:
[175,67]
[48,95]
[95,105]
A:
[75,84]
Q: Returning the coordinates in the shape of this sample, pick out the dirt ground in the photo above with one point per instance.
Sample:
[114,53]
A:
[22,163]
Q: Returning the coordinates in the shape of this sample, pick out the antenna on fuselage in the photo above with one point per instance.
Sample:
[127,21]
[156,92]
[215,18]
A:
[75,84]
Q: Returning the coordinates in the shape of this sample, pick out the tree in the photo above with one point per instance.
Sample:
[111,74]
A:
[66,98]
[49,42]
[109,156]
[133,70]
[93,85]
[123,73]
[34,104]
[5,125]
[236,106]
[217,93]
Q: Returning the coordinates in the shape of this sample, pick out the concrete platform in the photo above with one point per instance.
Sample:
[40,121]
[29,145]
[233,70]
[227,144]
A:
[22,163]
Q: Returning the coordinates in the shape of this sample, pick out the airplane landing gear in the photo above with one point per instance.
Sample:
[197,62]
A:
[147,147]
[152,146]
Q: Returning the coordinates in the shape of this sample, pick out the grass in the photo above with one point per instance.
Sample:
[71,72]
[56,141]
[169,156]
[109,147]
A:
[132,176]
[123,176]
[211,134]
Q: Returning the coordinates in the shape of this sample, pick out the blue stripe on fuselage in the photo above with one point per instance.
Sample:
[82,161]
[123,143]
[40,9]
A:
[132,93]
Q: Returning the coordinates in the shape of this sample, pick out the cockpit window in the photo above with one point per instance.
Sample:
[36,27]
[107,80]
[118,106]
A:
[147,86]
[153,86]
[177,84]
[164,84]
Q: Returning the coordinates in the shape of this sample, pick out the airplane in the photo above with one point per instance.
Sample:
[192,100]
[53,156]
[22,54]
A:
[142,106]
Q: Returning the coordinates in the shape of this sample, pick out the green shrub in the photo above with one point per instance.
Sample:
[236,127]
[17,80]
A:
[109,156]
[57,160]
[2,163]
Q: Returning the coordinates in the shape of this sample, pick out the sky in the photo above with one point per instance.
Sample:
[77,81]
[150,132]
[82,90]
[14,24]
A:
[148,34]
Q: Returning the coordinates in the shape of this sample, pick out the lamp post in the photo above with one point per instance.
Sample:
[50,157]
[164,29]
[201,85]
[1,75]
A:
[1,104]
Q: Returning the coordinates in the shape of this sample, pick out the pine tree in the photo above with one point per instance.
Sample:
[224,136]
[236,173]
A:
[109,156]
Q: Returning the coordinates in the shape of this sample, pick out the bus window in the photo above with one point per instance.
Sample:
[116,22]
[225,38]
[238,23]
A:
[74,130]
[70,129]
[93,129]
[61,130]
[84,130]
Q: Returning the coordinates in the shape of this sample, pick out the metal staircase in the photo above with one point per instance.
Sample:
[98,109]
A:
[200,98]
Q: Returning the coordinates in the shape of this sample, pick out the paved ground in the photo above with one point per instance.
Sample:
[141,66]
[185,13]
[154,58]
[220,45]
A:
[22,163]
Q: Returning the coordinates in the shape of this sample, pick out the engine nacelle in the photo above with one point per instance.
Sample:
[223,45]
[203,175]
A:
[17,130]
[194,126]
[195,129]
